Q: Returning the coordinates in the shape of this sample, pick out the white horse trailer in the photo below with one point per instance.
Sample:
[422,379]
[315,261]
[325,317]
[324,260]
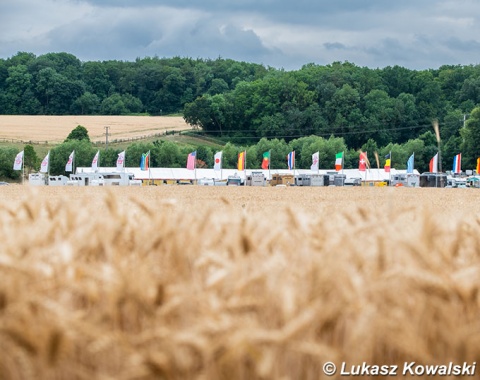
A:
[37,179]
[103,179]
[57,180]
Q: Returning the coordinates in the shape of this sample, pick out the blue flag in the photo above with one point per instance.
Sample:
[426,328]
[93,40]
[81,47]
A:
[410,164]
[291,160]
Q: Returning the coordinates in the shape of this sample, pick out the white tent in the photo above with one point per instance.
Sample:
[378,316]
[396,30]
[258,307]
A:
[185,174]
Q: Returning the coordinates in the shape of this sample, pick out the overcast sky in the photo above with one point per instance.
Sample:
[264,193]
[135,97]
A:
[417,34]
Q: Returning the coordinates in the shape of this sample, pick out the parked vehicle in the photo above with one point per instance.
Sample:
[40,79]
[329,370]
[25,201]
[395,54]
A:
[282,179]
[353,182]
[317,180]
[234,180]
[406,179]
[428,179]
[206,182]
[256,179]
[303,180]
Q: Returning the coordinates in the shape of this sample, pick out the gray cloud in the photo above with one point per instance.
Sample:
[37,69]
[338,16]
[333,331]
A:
[376,33]
[334,46]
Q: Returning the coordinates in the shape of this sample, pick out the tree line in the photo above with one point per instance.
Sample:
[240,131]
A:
[60,84]
[244,102]
[172,155]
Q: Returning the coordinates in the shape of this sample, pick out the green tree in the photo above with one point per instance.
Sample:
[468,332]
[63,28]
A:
[279,151]
[95,76]
[205,156]
[326,148]
[218,86]
[429,151]
[452,124]
[407,117]
[84,153]
[113,105]
[31,160]
[45,86]
[86,104]
[380,117]
[109,157]
[7,158]
[134,152]
[169,155]
[471,139]
[345,116]
[397,79]
[132,104]
[450,148]
[230,156]
[413,146]
[198,113]
[19,95]
[78,133]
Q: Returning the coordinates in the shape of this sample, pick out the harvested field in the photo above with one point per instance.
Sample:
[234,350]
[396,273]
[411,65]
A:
[54,129]
[184,282]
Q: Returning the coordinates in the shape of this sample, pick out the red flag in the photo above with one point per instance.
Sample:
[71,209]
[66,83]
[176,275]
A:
[363,163]
[433,167]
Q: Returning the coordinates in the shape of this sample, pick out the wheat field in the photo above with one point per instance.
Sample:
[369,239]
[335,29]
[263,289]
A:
[55,129]
[187,282]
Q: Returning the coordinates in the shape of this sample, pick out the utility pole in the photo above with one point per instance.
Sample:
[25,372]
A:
[106,137]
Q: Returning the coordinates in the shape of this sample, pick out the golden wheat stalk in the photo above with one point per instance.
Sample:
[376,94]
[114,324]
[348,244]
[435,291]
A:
[436,128]
[376,158]
[116,283]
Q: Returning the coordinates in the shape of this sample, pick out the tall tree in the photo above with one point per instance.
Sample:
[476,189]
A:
[471,139]
[78,133]
[31,160]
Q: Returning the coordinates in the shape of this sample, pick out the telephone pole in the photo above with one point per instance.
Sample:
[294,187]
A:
[106,138]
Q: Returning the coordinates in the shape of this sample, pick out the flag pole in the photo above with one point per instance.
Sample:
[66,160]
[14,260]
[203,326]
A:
[368,166]
[343,159]
[245,169]
[413,163]
[390,172]
[293,167]
[48,167]
[149,170]
[195,167]
[269,164]
[365,158]
[23,168]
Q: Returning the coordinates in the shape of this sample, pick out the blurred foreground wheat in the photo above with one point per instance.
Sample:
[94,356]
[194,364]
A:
[128,289]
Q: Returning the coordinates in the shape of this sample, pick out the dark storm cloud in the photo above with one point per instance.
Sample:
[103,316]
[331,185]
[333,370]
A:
[416,34]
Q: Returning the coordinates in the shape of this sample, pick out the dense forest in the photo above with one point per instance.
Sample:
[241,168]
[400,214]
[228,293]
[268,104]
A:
[244,102]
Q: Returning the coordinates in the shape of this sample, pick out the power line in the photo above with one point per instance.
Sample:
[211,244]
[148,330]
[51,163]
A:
[325,134]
